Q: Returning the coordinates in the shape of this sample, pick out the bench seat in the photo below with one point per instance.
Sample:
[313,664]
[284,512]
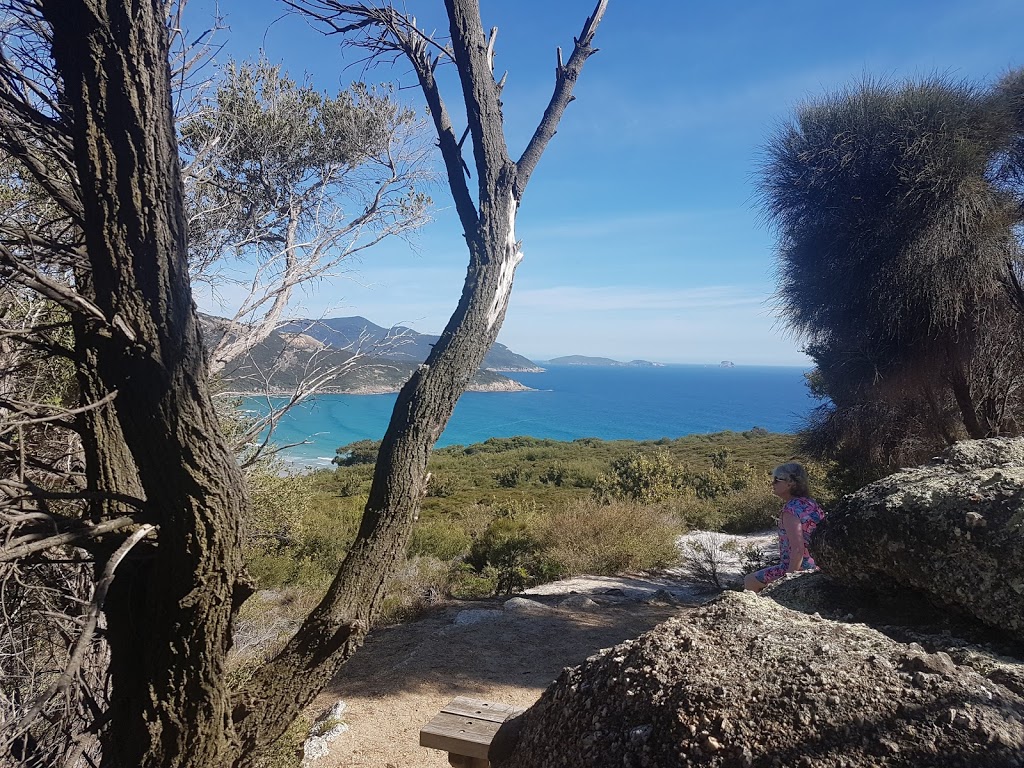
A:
[465,728]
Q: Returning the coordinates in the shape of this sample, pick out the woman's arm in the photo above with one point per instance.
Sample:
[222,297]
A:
[795,533]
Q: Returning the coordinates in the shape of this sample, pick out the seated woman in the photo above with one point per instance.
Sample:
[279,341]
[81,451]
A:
[799,517]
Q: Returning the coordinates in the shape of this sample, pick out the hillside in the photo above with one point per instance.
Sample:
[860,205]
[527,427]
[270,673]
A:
[287,357]
[398,343]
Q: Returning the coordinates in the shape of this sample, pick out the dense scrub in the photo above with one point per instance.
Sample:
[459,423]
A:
[508,513]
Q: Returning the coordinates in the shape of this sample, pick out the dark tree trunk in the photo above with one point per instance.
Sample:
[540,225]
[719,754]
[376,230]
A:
[170,610]
[170,703]
[961,389]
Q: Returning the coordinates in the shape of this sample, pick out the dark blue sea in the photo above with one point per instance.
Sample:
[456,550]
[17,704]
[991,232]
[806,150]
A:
[570,402]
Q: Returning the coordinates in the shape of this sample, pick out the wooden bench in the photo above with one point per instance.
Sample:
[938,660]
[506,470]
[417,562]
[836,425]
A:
[465,729]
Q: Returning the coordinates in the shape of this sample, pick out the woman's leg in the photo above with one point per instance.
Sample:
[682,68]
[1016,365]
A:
[758,580]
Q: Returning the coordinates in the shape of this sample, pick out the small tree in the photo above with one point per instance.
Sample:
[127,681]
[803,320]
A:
[289,183]
[897,255]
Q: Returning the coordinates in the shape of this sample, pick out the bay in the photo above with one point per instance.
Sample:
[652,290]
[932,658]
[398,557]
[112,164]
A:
[567,403]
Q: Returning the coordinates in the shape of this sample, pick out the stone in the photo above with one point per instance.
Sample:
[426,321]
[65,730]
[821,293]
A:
[952,530]
[578,602]
[475,616]
[325,729]
[744,681]
[522,605]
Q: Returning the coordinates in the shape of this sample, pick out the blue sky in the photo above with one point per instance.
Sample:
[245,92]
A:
[640,228]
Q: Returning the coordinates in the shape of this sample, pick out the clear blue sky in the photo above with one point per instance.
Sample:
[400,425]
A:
[640,228]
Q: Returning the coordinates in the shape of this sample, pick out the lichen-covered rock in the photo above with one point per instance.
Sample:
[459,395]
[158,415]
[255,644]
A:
[745,682]
[953,529]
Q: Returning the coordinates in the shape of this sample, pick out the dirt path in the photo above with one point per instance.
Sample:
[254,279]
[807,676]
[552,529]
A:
[405,674]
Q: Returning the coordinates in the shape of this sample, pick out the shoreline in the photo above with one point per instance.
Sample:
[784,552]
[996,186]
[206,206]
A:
[510,386]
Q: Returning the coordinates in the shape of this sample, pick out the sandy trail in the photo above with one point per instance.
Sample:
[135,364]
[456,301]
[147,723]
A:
[405,674]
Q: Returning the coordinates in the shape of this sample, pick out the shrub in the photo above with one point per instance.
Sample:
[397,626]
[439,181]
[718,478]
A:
[748,510]
[754,558]
[639,476]
[441,486]
[509,546]
[442,538]
[419,583]
[359,452]
[512,476]
[606,539]
[704,559]
[468,584]
[694,513]
[553,475]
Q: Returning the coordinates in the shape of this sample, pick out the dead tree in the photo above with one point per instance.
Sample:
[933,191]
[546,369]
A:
[164,496]
[426,402]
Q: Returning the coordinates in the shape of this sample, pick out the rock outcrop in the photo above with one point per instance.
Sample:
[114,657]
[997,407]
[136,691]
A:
[746,682]
[952,530]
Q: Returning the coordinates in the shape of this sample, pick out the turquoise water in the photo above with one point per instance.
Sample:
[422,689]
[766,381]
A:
[571,402]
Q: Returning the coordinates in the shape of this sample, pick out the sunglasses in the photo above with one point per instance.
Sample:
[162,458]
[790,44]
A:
[778,480]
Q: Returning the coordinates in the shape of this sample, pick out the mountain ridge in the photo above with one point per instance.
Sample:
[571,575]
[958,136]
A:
[370,359]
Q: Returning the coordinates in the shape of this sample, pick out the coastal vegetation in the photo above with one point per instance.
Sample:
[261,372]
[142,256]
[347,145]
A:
[508,513]
[898,207]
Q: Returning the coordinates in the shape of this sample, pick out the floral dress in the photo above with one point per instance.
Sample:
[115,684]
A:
[809,514]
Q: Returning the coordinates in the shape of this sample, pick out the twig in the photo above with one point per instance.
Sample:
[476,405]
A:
[87,531]
[81,645]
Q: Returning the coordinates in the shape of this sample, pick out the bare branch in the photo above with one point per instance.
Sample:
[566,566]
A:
[67,677]
[565,81]
[29,544]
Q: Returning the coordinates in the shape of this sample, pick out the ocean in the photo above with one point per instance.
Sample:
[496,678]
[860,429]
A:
[569,402]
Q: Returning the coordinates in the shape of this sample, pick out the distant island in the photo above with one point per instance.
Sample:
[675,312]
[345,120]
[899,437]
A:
[603,361]
[727,364]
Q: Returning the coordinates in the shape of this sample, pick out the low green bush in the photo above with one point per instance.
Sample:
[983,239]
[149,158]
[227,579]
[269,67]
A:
[606,539]
[748,510]
[419,583]
[442,538]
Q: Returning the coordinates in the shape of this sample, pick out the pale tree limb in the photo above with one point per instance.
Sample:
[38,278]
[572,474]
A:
[335,628]
[23,546]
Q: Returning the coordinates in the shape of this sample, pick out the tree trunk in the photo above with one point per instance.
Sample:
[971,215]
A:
[961,388]
[170,703]
[169,615]
[337,626]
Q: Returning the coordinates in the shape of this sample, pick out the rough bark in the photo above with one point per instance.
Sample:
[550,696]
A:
[337,626]
[170,703]
[171,604]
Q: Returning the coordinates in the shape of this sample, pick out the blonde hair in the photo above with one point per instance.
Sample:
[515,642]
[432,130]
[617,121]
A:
[796,474]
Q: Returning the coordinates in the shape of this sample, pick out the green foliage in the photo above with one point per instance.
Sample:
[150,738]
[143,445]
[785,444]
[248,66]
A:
[359,452]
[440,538]
[896,206]
[510,547]
[570,510]
[511,476]
[639,476]
[588,537]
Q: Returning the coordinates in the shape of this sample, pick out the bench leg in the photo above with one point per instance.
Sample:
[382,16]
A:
[464,761]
